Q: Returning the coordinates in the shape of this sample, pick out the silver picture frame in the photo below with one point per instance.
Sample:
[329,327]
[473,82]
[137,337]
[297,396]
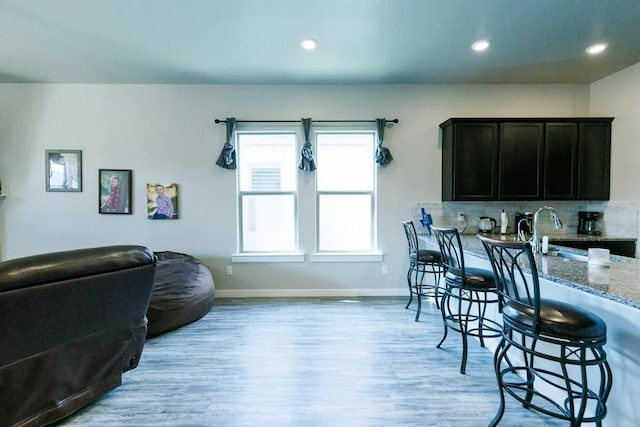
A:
[63,170]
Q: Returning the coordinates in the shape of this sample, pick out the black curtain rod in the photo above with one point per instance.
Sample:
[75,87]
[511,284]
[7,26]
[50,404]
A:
[298,121]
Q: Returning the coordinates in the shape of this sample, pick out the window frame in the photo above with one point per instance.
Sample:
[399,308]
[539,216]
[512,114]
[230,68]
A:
[373,252]
[309,194]
[242,254]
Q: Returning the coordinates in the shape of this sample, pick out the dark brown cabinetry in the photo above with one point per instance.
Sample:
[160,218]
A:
[470,161]
[521,154]
[560,161]
[594,160]
[526,159]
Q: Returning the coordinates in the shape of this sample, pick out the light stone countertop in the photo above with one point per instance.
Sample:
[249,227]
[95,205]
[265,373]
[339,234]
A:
[619,282]
[588,237]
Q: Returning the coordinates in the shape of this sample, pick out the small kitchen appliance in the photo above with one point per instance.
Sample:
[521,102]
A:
[587,222]
[526,224]
[486,224]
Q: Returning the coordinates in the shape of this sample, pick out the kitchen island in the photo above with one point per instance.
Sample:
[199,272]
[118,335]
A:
[613,293]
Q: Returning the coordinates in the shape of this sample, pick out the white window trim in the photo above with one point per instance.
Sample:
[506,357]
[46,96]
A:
[331,256]
[243,256]
[297,256]
[268,257]
[346,257]
[300,257]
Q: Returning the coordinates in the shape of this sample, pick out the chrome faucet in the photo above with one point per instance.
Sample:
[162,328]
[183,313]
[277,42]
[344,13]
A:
[535,239]
[521,235]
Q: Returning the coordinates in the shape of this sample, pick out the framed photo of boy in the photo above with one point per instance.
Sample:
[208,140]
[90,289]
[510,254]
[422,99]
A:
[162,201]
[114,191]
[63,169]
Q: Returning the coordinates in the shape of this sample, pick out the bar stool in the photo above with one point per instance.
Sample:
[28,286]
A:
[421,261]
[551,357]
[467,294]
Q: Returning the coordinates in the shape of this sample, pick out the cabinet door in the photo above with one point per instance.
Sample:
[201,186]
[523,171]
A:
[475,161]
[594,160]
[521,155]
[560,161]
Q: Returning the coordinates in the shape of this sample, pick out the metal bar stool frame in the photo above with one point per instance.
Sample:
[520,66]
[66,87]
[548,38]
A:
[421,262]
[468,292]
[520,299]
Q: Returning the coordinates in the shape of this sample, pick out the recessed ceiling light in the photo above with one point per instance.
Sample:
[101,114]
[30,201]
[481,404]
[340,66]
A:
[309,44]
[480,45]
[596,48]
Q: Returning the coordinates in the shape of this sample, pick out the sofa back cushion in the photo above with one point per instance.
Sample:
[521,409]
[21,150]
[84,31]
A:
[51,267]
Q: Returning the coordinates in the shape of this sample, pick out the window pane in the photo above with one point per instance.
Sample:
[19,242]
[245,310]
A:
[267,162]
[268,223]
[344,223]
[345,161]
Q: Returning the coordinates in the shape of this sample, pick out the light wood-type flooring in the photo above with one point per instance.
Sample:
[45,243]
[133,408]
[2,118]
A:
[308,362]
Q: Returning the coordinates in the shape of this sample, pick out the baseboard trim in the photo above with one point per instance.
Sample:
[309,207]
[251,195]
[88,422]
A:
[284,293]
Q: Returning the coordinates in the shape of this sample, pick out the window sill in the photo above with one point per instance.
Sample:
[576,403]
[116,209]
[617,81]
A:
[269,257]
[315,257]
[346,257]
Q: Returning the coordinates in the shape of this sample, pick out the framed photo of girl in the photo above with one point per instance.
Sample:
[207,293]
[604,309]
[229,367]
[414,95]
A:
[114,191]
[162,201]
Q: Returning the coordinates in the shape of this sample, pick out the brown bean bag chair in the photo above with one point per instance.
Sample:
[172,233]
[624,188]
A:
[183,292]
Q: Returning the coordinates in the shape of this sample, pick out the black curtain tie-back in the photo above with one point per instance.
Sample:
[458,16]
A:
[383,155]
[306,154]
[227,157]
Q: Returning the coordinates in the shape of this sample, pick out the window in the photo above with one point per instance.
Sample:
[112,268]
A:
[345,191]
[267,196]
[342,190]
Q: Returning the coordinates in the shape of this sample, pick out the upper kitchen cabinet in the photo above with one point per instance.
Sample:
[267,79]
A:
[594,159]
[526,159]
[577,159]
[469,161]
[561,161]
[521,153]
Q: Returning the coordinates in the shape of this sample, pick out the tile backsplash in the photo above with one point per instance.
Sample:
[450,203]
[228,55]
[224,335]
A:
[618,219]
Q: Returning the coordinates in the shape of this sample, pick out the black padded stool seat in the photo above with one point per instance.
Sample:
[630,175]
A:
[425,255]
[558,319]
[183,291]
[474,278]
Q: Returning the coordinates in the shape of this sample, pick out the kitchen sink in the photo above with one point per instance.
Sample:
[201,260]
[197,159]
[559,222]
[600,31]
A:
[568,255]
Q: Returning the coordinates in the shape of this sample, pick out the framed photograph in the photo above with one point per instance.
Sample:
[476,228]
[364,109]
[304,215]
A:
[114,191]
[63,170]
[162,201]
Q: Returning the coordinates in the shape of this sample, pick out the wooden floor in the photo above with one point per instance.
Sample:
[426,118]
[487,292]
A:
[307,362]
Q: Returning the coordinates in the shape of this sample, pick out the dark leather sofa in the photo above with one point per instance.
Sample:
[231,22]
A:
[70,324]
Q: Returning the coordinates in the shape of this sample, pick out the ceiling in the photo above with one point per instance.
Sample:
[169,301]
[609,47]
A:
[359,41]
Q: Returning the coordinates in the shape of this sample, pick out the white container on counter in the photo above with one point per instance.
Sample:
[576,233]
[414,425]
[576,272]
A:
[598,257]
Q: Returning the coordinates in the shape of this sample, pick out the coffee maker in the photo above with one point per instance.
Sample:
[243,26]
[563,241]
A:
[524,222]
[587,222]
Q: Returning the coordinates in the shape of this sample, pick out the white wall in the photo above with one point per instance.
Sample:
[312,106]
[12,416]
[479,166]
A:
[619,96]
[167,134]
